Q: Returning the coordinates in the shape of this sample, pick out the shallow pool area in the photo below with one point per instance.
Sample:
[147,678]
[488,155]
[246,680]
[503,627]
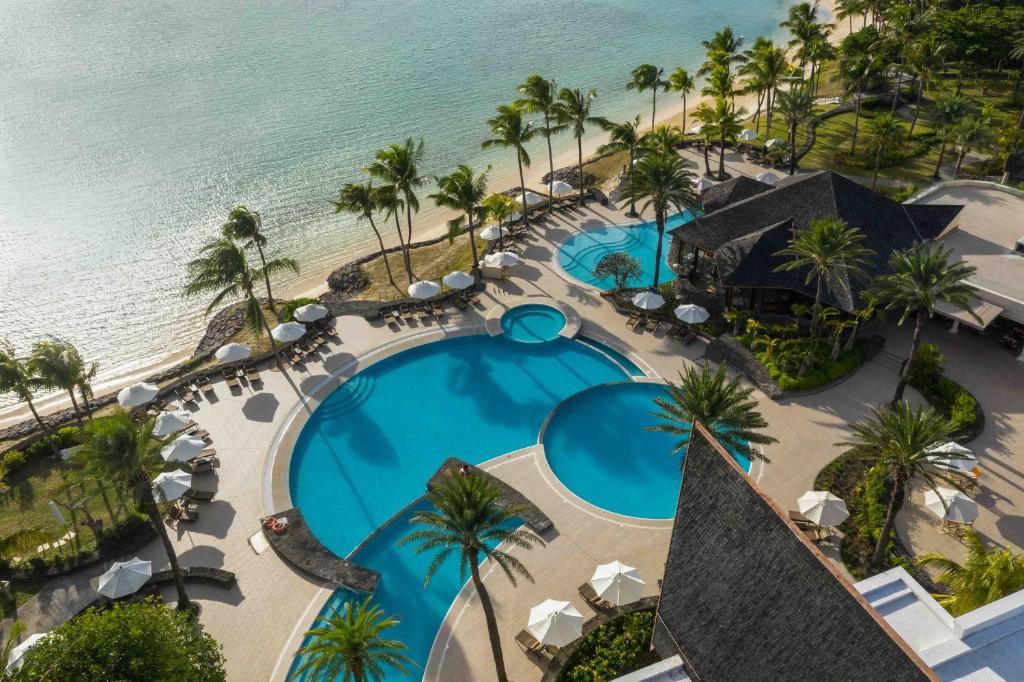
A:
[580,254]
[532,323]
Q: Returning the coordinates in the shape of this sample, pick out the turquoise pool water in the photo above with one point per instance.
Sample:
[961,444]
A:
[631,367]
[599,447]
[579,254]
[532,323]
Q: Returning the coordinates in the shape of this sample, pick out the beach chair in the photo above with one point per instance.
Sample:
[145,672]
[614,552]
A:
[588,593]
[652,324]
[459,303]
[202,495]
[197,432]
[474,297]
[295,358]
[528,643]
[230,378]
[633,320]
[178,512]
[198,466]
[407,313]
[438,310]
[185,395]
[422,313]
[816,533]
[252,375]
[204,384]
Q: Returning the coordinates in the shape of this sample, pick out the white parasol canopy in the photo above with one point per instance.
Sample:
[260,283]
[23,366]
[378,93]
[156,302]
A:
[694,314]
[125,577]
[233,352]
[766,177]
[137,394]
[697,128]
[560,187]
[182,449]
[772,142]
[17,653]
[310,313]
[617,583]
[823,508]
[555,623]
[424,289]
[514,217]
[171,422]
[648,300]
[701,184]
[458,280]
[172,484]
[951,505]
[288,332]
[950,448]
[747,135]
[492,232]
[57,516]
[531,199]
[502,259]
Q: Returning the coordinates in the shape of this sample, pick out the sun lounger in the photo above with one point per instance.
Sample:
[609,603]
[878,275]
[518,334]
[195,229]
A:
[252,375]
[198,466]
[204,384]
[204,495]
[688,337]
[473,297]
[197,432]
[438,310]
[185,395]
[816,533]
[229,378]
[588,593]
[652,325]
[422,313]
[633,320]
[459,303]
[529,644]
[182,512]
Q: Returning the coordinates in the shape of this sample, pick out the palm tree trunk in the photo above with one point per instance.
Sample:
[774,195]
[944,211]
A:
[266,280]
[492,623]
[659,217]
[408,234]
[154,517]
[522,186]
[959,162]
[816,308]
[74,405]
[707,161]
[721,157]
[890,518]
[853,335]
[472,238]
[938,164]
[905,371]
[384,254]
[654,104]
[757,113]
[35,414]
[85,400]
[106,500]
[270,335]
[405,252]
[579,155]
[551,162]
[792,148]
[899,84]
[917,106]
[856,123]
[684,115]
[629,179]
[878,162]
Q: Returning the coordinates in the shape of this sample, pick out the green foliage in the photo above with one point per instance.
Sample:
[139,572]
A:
[947,396]
[611,649]
[112,540]
[980,34]
[783,360]
[146,641]
[620,266]
[69,436]
[902,193]
[928,364]
[14,460]
[44,447]
[288,311]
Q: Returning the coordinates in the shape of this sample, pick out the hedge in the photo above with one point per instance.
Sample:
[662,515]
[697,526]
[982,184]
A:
[947,396]
[611,649]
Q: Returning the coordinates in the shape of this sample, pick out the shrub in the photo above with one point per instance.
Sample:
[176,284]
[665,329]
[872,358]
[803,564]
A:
[611,649]
[620,266]
[44,447]
[947,396]
[902,193]
[14,460]
[68,436]
[112,540]
[288,311]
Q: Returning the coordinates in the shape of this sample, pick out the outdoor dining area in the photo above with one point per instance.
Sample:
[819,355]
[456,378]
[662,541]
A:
[958,466]
[645,319]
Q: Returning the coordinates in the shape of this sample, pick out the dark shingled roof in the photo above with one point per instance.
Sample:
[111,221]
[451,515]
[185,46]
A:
[747,597]
[729,192]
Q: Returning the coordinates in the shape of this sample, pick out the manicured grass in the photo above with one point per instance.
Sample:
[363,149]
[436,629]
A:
[428,262]
[607,167]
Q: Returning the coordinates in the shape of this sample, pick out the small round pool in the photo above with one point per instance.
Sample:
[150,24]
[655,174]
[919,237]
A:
[532,323]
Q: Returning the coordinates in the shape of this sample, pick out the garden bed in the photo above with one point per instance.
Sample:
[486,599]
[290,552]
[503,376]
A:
[952,400]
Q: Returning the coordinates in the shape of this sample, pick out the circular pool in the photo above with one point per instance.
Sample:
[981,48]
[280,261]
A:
[532,323]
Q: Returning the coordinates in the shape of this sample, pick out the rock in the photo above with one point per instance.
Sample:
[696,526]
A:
[347,281]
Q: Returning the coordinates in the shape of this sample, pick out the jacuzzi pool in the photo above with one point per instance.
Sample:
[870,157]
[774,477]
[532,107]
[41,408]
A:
[532,323]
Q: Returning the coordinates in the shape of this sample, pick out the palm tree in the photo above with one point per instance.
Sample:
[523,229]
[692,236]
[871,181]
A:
[722,50]
[361,200]
[662,182]
[987,575]
[648,77]
[462,190]
[949,109]
[848,9]
[926,59]
[626,138]
[1017,52]
[903,23]
[682,82]
[919,279]
[898,440]
[348,646]
[117,449]
[16,377]
[802,22]
[705,115]
[972,132]
[499,208]
[721,84]
[858,71]
[470,521]
[795,105]
[664,139]
[540,96]
[398,165]
[247,226]
[574,113]
[512,131]
[1008,141]
[819,51]
[763,72]
[390,201]
[58,365]
[722,405]
[727,125]
[886,133]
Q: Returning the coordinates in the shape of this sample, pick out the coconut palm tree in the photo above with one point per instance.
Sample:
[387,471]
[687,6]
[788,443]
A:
[887,132]
[682,82]
[919,279]
[648,77]
[848,9]
[662,183]
[927,60]
[398,165]
[470,522]
[16,377]
[664,139]
[727,125]
[389,200]
[247,226]
[540,96]
[512,131]
[795,106]
[903,24]
[58,365]
[574,113]
[819,51]
[802,22]
[361,199]
[858,71]
[972,132]
[987,575]
[348,645]
[624,137]
[898,440]
[949,109]
[757,74]
[705,115]
[722,405]
[462,190]
[117,449]
[721,84]
[722,50]
[498,208]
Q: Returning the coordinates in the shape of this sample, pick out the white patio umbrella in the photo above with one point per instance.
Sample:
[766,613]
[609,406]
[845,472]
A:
[560,187]
[514,217]
[531,199]
[288,332]
[617,583]
[125,577]
[701,184]
[555,623]
[67,453]
[951,448]
[310,313]
[14,661]
[502,259]
[772,142]
[822,507]
[951,505]
[492,232]
[458,280]
[233,352]
[172,484]
[57,516]
[424,289]
[182,449]
[697,128]
[171,422]
[693,314]
[137,394]
[648,300]
[766,177]
[747,135]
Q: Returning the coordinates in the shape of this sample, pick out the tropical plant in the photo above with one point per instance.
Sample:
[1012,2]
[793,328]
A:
[721,84]
[389,200]
[117,449]
[903,23]
[722,50]
[803,26]
[462,190]
[348,645]
[247,226]
[919,279]
[574,113]
[10,641]
[848,9]
[722,405]
[898,439]
[511,130]
[648,77]
[858,71]
[1009,139]
[682,82]
[887,133]
[662,182]
[706,116]
[949,109]
[624,137]
[764,71]
[926,59]
[620,266]
[16,377]
[986,575]
[361,199]
[398,166]
[499,208]
[57,364]
[727,125]
[972,132]
[795,106]
[469,521]
[664,139]
[540,96]
[820,51]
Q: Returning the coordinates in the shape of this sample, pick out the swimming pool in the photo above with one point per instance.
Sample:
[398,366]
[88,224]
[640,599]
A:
[532,323]
[579,254]
[598,446]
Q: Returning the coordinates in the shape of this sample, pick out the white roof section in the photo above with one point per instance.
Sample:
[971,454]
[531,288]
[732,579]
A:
[669,670]
[985,645]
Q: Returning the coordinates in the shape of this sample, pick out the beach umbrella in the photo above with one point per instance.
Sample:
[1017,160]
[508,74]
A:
[693,314]
[697,128]
[233,352]
[950,448]
[617,583]
[701,184]
[823,508]
[502,259]
[559,187]
[514,217]
[951,505]
[137,394]
[172,485]
[288,332]
[125,577]
[424,289]
[766,177]
[57,516]
[531,199]
[648,300]
[458,280]
[310,313]
[14,661]
[171,422]
[555,623]
[747,135]
[772,142]
[492,232]
[182,449]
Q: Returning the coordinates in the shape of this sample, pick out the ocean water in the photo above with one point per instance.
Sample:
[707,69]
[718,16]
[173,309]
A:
[129,130]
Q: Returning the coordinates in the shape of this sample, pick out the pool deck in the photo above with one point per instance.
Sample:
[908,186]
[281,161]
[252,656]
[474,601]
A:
[260,622]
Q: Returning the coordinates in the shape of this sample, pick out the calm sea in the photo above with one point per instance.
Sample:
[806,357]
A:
[129,129]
